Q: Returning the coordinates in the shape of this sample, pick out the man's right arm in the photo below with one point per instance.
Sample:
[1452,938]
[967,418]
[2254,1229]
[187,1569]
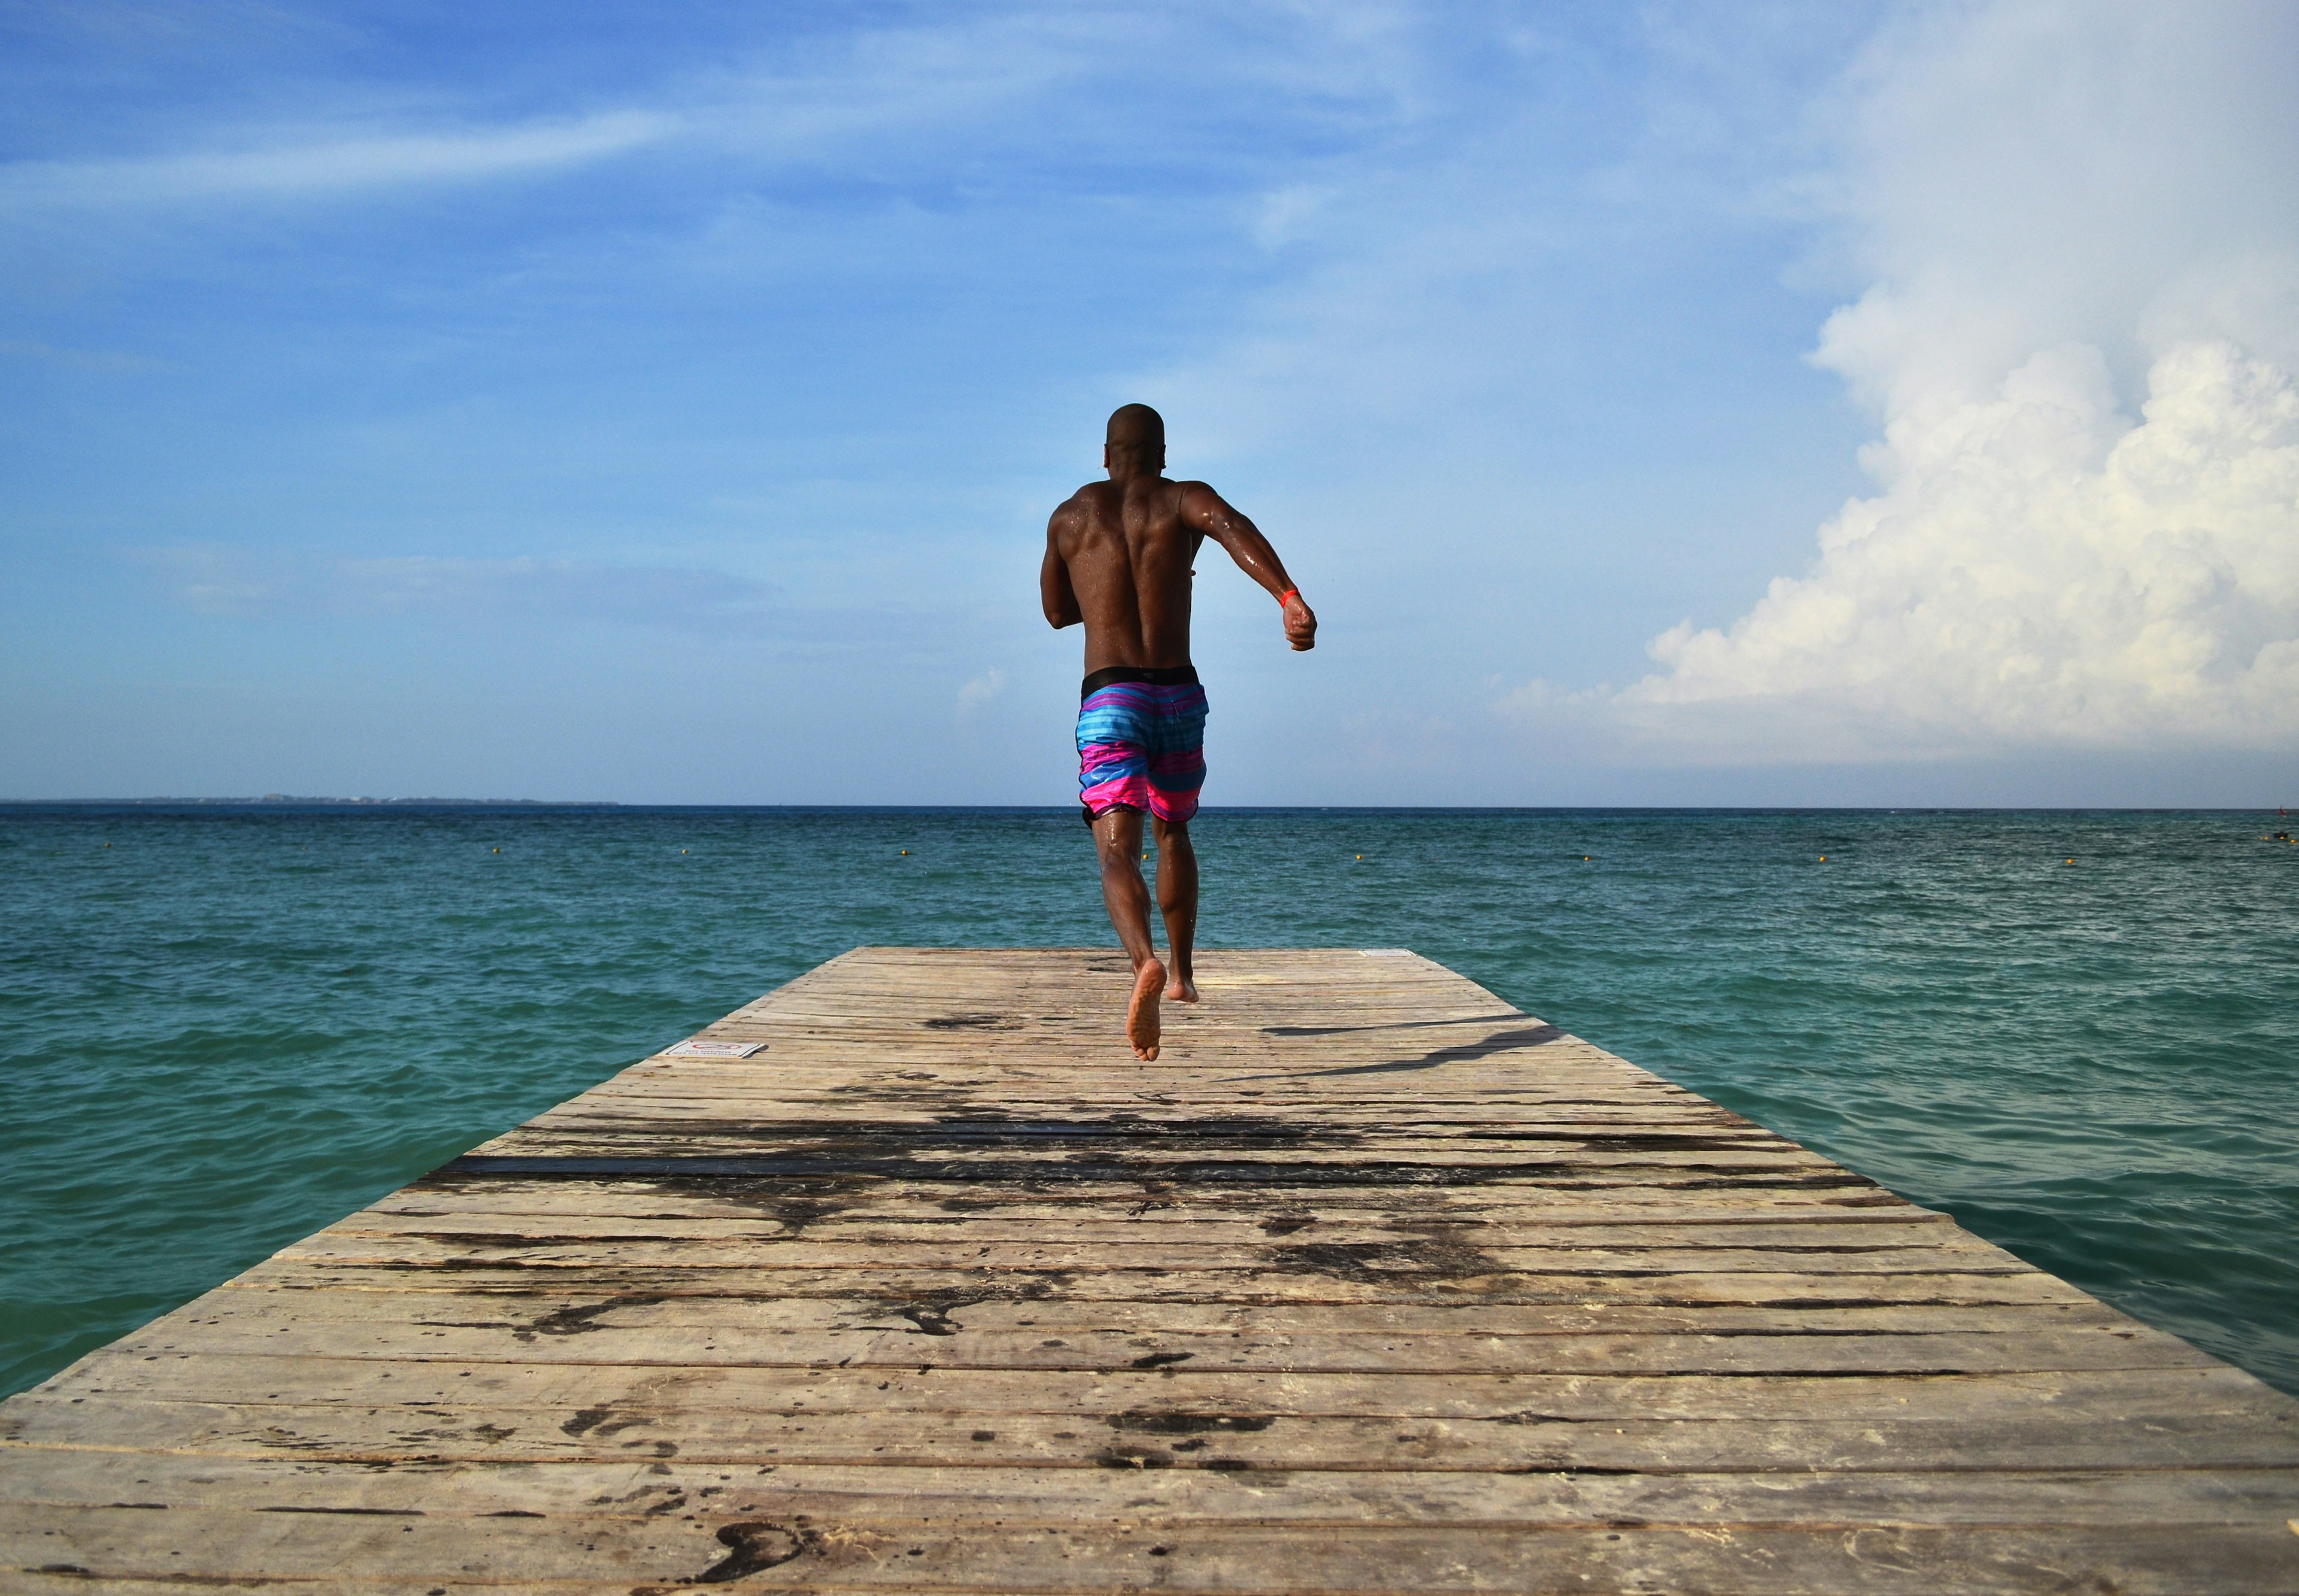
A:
[1054,589]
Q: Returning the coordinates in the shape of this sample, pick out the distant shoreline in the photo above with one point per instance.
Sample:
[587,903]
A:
[296,801]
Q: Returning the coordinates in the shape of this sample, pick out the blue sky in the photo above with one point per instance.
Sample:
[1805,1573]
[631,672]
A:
[1805,403]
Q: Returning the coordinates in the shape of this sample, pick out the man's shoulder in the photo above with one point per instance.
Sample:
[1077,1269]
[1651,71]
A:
[1166,491]
[1090,496]
[1080,505]
[1196,497]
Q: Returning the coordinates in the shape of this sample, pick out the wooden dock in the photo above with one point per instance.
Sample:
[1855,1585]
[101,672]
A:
[1371,1283]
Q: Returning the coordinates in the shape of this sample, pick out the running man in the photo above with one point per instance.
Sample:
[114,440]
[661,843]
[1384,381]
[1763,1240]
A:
[1118,557]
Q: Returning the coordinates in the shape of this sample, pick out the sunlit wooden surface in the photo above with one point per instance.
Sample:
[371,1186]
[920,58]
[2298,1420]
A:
[1371,1283]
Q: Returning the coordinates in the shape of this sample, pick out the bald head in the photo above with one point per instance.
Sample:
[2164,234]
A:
[1137,427]
[1136,445]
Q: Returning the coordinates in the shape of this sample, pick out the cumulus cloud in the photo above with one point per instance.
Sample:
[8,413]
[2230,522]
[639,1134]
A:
[2081,227]
[2038,569]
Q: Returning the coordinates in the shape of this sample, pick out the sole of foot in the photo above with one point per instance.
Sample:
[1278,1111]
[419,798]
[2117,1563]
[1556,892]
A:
[1141,1013]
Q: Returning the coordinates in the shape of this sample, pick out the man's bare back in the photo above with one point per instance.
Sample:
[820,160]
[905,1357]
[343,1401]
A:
[1118,558]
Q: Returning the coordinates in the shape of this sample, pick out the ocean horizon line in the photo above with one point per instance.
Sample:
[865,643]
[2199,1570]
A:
[290,801]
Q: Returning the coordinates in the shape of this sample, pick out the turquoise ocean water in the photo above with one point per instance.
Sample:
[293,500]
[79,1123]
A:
[222,1029]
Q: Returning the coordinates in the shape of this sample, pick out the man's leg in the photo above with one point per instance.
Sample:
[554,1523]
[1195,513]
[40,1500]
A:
[1177,900]
[1117,839]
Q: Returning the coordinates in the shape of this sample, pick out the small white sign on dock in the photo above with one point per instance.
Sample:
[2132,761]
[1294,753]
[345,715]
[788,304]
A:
[702,1047]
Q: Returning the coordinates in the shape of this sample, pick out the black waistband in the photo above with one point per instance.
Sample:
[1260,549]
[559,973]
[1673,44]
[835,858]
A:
[1154,676]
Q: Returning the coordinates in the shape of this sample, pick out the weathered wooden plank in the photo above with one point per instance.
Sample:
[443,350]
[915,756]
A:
[1929,1232]
[964,1201]
[943,1116]
[1256,1160]
[1041,1498]
[895,1346]
[1454,1256]
[188,1544]
[1155,1378]
[1342,1284]
[247,1311]
[575,1312]
[1166,1436]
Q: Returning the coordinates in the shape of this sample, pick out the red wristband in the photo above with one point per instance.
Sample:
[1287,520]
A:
[1291,592]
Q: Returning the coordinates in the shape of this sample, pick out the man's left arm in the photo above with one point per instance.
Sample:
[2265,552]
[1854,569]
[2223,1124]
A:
[1054,589]
[1206,512]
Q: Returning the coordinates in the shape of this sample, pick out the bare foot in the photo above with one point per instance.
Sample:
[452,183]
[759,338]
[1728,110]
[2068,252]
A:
[1141,1013]
[1181,988]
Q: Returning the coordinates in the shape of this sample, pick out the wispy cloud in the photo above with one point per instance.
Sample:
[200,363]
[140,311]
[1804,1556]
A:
[978,692]
[322,162]
[893,81]
[78,360]
[899,91]
[222,580]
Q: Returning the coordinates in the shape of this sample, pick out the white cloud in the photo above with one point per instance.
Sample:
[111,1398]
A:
[977,693]
[893,81]
[223,580]
[901,94]
[2052,197]
[319,164]
[2037,570]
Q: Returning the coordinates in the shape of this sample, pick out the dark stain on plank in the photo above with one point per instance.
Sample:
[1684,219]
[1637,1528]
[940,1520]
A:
[754,1547]
[572,1320]
[1141,1422]
[599,1423]
[1437,1250]
[930,1320]
[688,1172]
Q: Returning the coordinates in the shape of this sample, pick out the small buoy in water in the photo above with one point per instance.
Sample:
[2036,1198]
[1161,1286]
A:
[1584,858]
[1823,858]
[682,850]
[108,845]
[2071,861]
[497,850]
[905,853]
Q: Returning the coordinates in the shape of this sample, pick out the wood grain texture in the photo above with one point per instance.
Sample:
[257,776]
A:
[1369,1283]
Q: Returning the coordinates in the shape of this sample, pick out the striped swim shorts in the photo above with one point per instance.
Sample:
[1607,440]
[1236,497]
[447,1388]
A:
[1141,742]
